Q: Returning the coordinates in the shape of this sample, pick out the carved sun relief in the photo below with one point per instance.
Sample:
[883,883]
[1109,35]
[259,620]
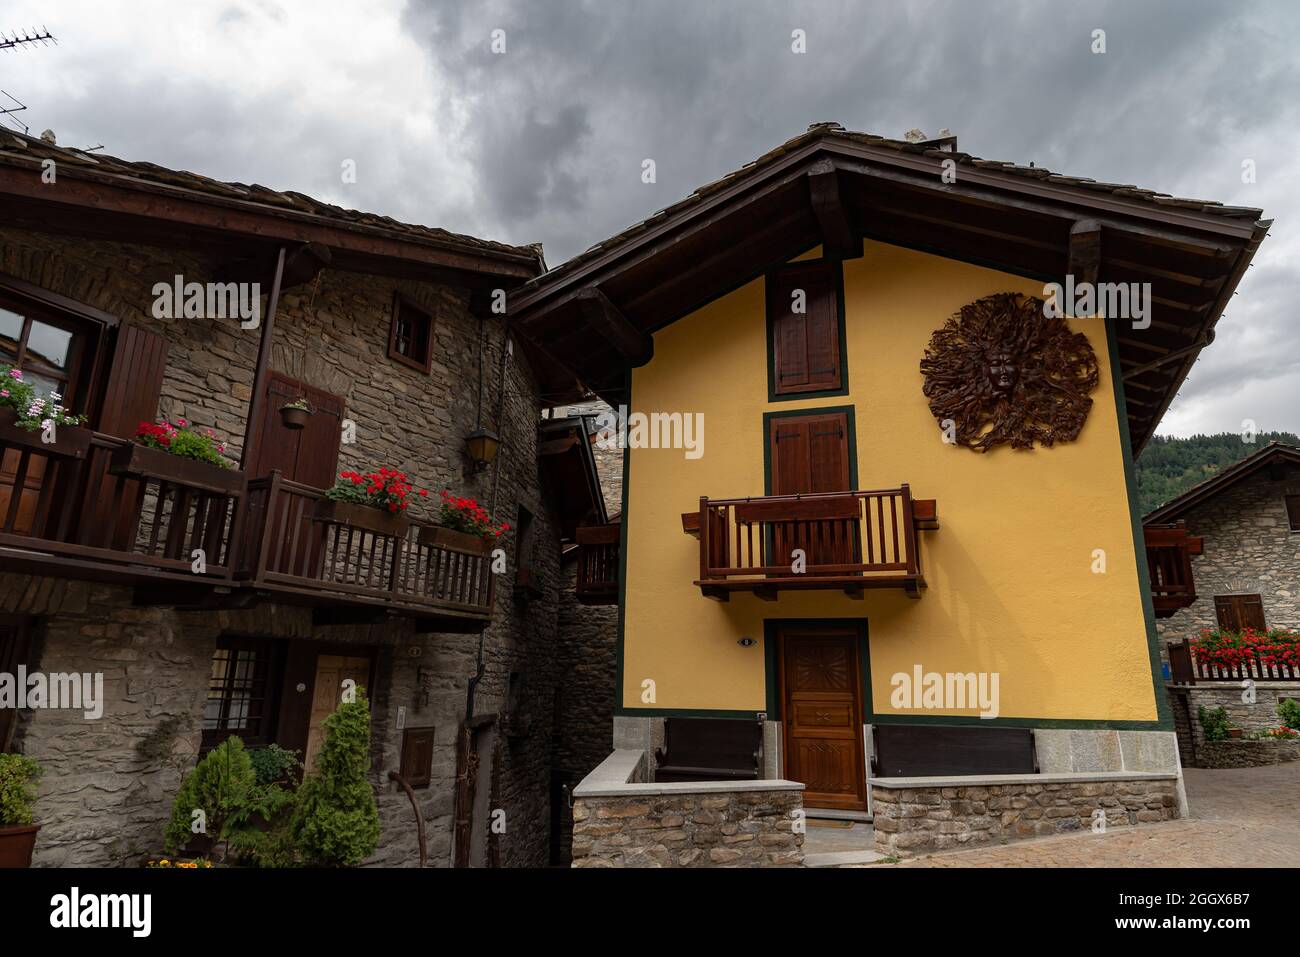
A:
[1000,371]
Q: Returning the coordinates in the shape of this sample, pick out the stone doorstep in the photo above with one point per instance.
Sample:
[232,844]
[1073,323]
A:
[840,858]
[612,778]
[987,780]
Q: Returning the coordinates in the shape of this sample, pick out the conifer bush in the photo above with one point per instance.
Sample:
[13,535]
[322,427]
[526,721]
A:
[336,822]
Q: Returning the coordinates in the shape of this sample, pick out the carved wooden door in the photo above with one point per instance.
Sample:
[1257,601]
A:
[822,716]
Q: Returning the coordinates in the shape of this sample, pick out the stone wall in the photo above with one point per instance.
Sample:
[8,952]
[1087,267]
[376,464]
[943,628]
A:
[1243,753]
[101,800]
[1249,549]
[946,813]
[1259,715]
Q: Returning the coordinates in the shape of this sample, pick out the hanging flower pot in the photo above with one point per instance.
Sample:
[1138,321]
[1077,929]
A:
[294,415]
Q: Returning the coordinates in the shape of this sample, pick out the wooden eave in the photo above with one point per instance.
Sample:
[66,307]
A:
[1175,508]
[1021,224]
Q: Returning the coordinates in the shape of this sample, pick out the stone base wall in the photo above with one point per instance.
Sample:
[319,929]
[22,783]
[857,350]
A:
[1260,715]
[921,819]
[1247,754]
[711,829]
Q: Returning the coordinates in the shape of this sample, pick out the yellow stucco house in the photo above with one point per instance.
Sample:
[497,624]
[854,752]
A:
[880,402]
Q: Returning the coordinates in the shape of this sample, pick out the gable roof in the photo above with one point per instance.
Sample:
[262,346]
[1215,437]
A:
[1273,453]
[831,186]
[98,195]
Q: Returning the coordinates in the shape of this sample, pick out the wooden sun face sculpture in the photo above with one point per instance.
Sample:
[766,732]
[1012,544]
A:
[1002,372]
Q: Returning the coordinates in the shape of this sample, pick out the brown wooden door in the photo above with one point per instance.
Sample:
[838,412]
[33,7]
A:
[309,455]
[327,694]
[810,454]
[822,716]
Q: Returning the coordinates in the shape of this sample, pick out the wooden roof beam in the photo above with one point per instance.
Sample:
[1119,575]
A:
[612,326]
[1085,251]
[838,238]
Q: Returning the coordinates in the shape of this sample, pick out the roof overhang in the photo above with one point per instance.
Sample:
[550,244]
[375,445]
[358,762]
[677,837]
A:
[568,468]
[834,189]
[1271,456]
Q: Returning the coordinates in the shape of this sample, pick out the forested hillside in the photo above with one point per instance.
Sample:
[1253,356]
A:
[1168,467]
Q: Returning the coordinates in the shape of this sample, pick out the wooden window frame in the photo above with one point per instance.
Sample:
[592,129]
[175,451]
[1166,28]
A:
[1292,504]
[271,656]
[774,392]
[403,303]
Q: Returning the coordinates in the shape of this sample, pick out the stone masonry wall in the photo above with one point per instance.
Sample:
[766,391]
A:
[98,792]
[1250,717]
[918,820]
[1247,754]
[707,829]
[1249,549]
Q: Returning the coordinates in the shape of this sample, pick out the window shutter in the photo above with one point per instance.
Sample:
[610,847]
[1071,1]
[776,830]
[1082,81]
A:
[810,454]
[318,446]
[134,381]
[309,455]
[805,346]
[1293,512]
[1250,612]
[1225,610]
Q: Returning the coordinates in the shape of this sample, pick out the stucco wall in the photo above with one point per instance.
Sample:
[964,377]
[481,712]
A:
[1011,586]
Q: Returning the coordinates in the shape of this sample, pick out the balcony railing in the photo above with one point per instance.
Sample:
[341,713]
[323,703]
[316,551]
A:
[289,548]
[91,507]
[1185,668]
[848,541]
[1169,563]
[598,564]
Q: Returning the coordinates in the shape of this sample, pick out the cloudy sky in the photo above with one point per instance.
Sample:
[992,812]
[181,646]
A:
[545,141]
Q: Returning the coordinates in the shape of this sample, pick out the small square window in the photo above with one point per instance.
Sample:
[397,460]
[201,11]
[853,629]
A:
[411,336]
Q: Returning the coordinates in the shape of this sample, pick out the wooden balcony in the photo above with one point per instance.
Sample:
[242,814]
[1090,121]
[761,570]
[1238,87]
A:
[92,507]
[849,541]
[598,564]
[291,550]
[1169,563]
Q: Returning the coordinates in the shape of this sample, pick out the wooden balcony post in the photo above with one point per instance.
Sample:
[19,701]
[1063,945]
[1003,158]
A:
[705,522]
[913,540]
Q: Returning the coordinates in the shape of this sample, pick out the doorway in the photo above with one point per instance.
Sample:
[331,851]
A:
[327,693]
[820,682]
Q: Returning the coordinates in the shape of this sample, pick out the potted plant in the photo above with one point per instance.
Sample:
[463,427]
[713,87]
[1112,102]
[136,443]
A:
[40,423]
[17,832]
[177,452]
[463,525]
[374,501]
[294,415]
[1234,733]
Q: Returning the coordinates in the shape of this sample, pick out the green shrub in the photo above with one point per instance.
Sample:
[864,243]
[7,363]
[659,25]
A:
[1288,709]
[336,823]
[17,773]
[1214,723]
[273,764]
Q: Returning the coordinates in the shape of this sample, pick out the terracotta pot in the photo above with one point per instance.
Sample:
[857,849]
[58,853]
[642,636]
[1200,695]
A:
[364,517]
[293,417]
[441,537]
[141,462]
[71,441]
[1234,732]
[17,842]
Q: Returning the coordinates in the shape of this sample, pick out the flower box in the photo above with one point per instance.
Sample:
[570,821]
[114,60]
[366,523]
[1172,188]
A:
[141,462]
[362,516]
[441,537]
[17,842]
[71,441]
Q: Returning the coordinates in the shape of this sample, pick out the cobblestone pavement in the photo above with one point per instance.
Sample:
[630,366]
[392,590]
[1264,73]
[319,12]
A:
[1248,817]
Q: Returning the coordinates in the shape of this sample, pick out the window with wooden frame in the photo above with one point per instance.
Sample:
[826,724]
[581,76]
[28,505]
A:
[1239,612]
[1293,512]
[410,338]
[805,327]
[241,691]
[55,352]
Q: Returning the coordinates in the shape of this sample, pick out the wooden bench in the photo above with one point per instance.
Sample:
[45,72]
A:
[925,750]
[709,749]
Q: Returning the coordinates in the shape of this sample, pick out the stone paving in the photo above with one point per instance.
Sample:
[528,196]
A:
[1248,817]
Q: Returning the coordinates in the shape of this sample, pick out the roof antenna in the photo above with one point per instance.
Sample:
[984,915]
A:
[12,41]
[6,112]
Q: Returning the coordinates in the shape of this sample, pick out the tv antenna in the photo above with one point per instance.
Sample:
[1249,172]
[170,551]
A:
[7,112]
[12,41]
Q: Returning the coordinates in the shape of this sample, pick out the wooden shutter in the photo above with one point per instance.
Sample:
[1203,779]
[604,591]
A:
[810,453]
[805,346]
[135,381]
[309,455]
[1293,512]
[1239,612]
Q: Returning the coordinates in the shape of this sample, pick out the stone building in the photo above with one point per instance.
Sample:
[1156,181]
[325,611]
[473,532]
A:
[1247,574]
[388,331]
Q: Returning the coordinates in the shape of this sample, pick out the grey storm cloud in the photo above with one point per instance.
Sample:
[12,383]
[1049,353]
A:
[545,142]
